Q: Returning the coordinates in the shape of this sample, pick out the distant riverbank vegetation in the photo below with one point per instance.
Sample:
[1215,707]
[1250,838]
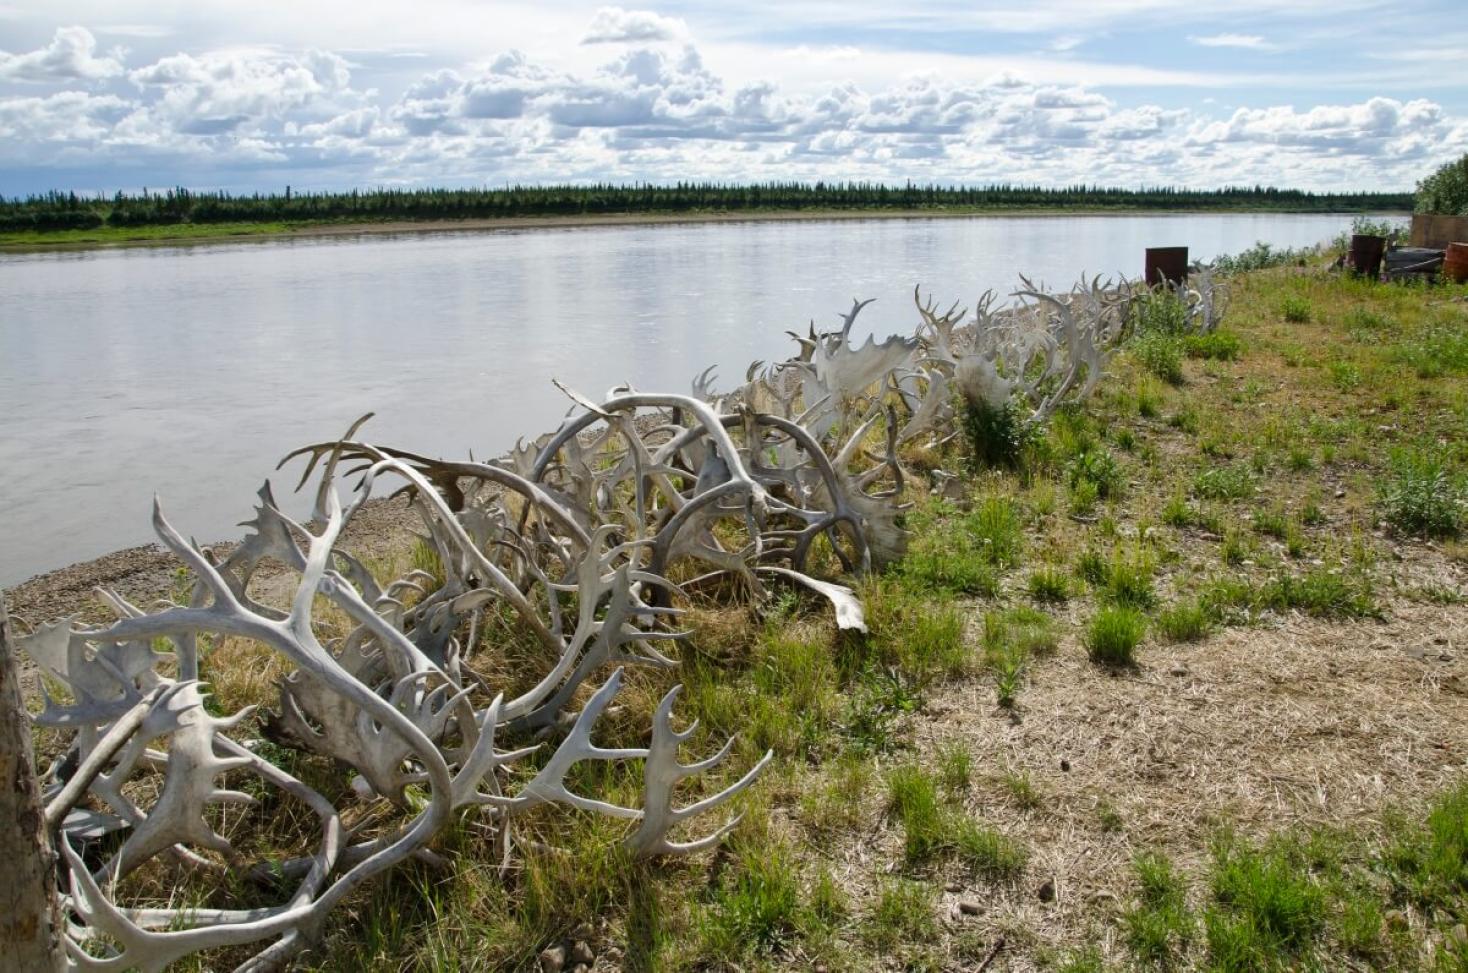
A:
[68,211]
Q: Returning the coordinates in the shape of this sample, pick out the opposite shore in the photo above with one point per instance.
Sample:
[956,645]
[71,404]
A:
[190,233]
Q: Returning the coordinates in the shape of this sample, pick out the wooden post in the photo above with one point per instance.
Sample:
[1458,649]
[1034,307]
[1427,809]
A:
[30,920]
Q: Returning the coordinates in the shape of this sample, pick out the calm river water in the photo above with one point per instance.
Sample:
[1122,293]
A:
[189,371]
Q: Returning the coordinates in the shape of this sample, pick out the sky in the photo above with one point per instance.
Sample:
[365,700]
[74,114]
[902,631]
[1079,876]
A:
[102,95]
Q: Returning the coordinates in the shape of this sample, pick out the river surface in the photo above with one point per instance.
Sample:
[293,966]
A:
[189,371]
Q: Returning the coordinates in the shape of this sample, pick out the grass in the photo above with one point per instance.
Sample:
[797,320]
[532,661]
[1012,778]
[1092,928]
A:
[1269,483]
[1114,634]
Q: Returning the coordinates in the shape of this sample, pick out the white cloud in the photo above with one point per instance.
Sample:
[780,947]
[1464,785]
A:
[1252,42]
[71,56]
[221,91]
[661,112]
[613,25]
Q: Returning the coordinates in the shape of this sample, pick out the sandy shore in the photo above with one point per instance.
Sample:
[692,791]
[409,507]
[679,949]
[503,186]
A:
[144,574]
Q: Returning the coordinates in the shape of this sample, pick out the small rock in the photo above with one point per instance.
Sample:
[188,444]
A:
[1340,494]
[552,959]
[581,953]
[1445,657]
[969,907]
[953,887]
[1460,934]
[1046,891]
[820,968]
[1179,670]
[580,968]
[1064,765]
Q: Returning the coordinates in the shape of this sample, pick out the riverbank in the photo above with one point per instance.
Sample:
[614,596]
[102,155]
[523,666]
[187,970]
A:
[191,233]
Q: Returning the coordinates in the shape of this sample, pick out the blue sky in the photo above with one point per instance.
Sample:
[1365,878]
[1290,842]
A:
[98,95]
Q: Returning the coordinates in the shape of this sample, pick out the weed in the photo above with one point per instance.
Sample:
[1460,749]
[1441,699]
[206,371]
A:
[1224,483]
[758,909]
[1159,927]
[1184,420]
[1265,906]
[1420,498]
[1296,309]
[1098,468]
[987,852]
[1129,580]
[913,799]
[1161,354]
[1049,585]
[1322,592]
[1216,345]
[1114,634]
[905,913]
[1021,788]
[1344,375]
[995,526]
[955,769]
[1185,622]
[1091,567]
[1161,312]
[1271,523]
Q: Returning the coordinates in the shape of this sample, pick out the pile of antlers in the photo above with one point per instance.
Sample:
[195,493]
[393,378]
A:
[572,542]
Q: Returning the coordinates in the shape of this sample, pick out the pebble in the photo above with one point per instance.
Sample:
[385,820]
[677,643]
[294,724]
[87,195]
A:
[580,968]
[969,907]
[1179,670]
[1064,765]
[552,959]
[581,953]
[1046,891]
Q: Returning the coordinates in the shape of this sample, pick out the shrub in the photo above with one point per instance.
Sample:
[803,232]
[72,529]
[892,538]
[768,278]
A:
[1159,312]
[1161,354]
[1295,310]
[1114,634]
[1445,192]
[996,436]
[1421,498]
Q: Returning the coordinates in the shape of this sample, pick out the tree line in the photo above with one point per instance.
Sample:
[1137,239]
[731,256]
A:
[68,210]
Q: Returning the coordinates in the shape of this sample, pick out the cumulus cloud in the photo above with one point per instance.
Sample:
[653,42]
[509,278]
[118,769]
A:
[71,56]
[613,25]
[658,111]
[221,91]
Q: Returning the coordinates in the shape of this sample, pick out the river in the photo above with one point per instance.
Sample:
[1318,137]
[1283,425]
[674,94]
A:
[190,370]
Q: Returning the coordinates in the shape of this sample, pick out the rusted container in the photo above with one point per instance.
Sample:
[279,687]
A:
[1455,263]
[1366,252]
[1168,264]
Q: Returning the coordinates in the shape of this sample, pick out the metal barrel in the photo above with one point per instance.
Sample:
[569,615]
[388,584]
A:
[1366,254]
[1169,264]
[1455,263]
